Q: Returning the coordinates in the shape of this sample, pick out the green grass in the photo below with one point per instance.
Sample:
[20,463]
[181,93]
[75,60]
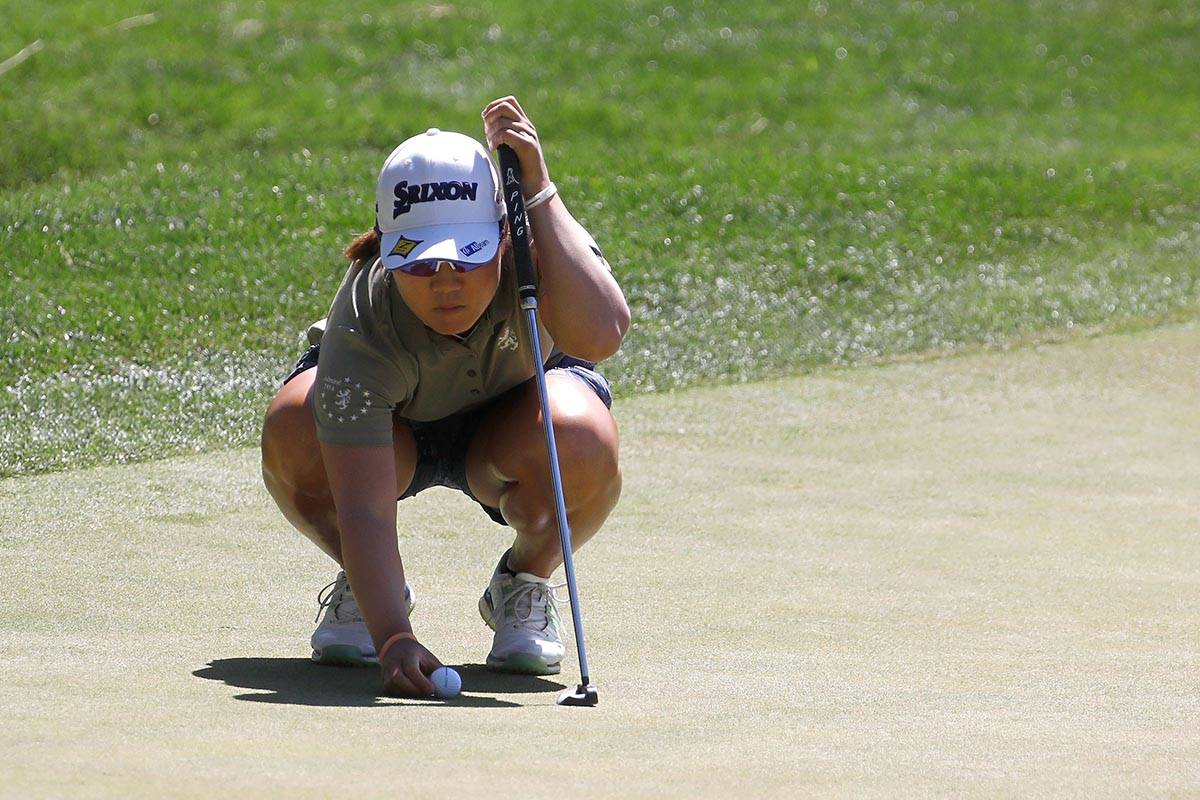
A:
[778,185]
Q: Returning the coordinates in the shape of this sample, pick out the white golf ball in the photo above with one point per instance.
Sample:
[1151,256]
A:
[446,682]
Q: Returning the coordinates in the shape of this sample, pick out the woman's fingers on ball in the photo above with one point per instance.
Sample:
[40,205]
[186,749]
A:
[406,670]
[419,680]
[429,663]
[396,684]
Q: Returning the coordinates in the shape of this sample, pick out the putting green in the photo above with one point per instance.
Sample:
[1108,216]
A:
[974,576]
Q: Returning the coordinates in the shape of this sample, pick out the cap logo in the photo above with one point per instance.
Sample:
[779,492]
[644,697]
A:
[474,247]
[404,246]
[407,195]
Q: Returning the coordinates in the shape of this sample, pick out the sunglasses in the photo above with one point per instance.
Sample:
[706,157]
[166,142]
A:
[427,268]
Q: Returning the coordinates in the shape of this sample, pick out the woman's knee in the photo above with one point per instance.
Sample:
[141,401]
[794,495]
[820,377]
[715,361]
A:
[586,445]
[510,448]
[586,437]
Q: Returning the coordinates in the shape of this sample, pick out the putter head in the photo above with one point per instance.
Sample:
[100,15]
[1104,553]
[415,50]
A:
[581,695]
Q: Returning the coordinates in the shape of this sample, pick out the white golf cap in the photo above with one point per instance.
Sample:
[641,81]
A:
[438,197]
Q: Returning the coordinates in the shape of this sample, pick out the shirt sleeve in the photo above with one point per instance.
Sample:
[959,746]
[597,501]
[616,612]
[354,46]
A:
[355,391]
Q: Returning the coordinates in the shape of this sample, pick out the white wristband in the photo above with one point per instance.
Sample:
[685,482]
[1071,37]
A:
[541,197]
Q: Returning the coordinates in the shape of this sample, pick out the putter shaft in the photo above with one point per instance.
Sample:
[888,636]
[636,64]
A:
[560,505]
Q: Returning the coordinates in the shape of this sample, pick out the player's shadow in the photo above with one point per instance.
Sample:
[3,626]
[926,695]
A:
[298,681]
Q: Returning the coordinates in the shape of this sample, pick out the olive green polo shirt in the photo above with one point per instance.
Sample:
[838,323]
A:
[377,359]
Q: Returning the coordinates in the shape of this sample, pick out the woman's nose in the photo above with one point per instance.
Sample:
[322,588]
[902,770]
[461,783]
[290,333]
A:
[446,278]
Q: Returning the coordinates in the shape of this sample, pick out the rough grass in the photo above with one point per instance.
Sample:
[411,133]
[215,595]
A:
[778,185]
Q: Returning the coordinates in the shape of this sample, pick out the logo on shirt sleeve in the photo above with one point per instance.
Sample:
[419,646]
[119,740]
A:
[343,399]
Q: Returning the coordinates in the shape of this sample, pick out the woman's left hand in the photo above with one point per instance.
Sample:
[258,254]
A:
[505,122]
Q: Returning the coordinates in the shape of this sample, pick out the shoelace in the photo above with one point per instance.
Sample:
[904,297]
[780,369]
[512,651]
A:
[538,599]
[339,594]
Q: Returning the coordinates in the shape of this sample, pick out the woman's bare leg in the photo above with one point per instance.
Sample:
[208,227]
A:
[508,467]
[294,472]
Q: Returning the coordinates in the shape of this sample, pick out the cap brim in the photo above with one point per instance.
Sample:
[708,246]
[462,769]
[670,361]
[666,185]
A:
[468,242]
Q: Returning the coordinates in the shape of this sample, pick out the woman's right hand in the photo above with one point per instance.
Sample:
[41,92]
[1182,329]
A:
[406,667]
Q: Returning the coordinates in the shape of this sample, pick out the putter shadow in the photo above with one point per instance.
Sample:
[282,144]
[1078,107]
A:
[480,678]
[298,681]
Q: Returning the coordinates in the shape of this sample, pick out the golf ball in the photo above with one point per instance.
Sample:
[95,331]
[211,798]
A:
[446,682]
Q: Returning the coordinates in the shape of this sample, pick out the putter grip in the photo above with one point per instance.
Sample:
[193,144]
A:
[518,223]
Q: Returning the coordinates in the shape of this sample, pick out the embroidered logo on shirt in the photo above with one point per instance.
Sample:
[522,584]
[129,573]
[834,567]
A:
[507,340]
[343,399]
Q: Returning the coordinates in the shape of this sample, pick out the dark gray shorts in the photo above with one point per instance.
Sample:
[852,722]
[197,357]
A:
[442,444]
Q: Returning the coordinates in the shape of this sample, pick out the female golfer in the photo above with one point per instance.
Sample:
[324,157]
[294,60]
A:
[422,376]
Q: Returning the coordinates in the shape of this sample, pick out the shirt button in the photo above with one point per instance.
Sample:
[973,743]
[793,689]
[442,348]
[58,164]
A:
[471,373]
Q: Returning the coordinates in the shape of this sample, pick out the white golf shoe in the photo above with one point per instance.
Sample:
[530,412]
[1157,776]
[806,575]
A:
[522,610]
[342,638]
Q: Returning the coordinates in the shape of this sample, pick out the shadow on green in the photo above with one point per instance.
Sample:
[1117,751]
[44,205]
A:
[298,681]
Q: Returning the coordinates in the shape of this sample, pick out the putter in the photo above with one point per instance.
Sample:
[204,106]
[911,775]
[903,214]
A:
[510,167]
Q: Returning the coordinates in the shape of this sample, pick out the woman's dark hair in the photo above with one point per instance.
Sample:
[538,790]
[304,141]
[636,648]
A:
[366,247]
